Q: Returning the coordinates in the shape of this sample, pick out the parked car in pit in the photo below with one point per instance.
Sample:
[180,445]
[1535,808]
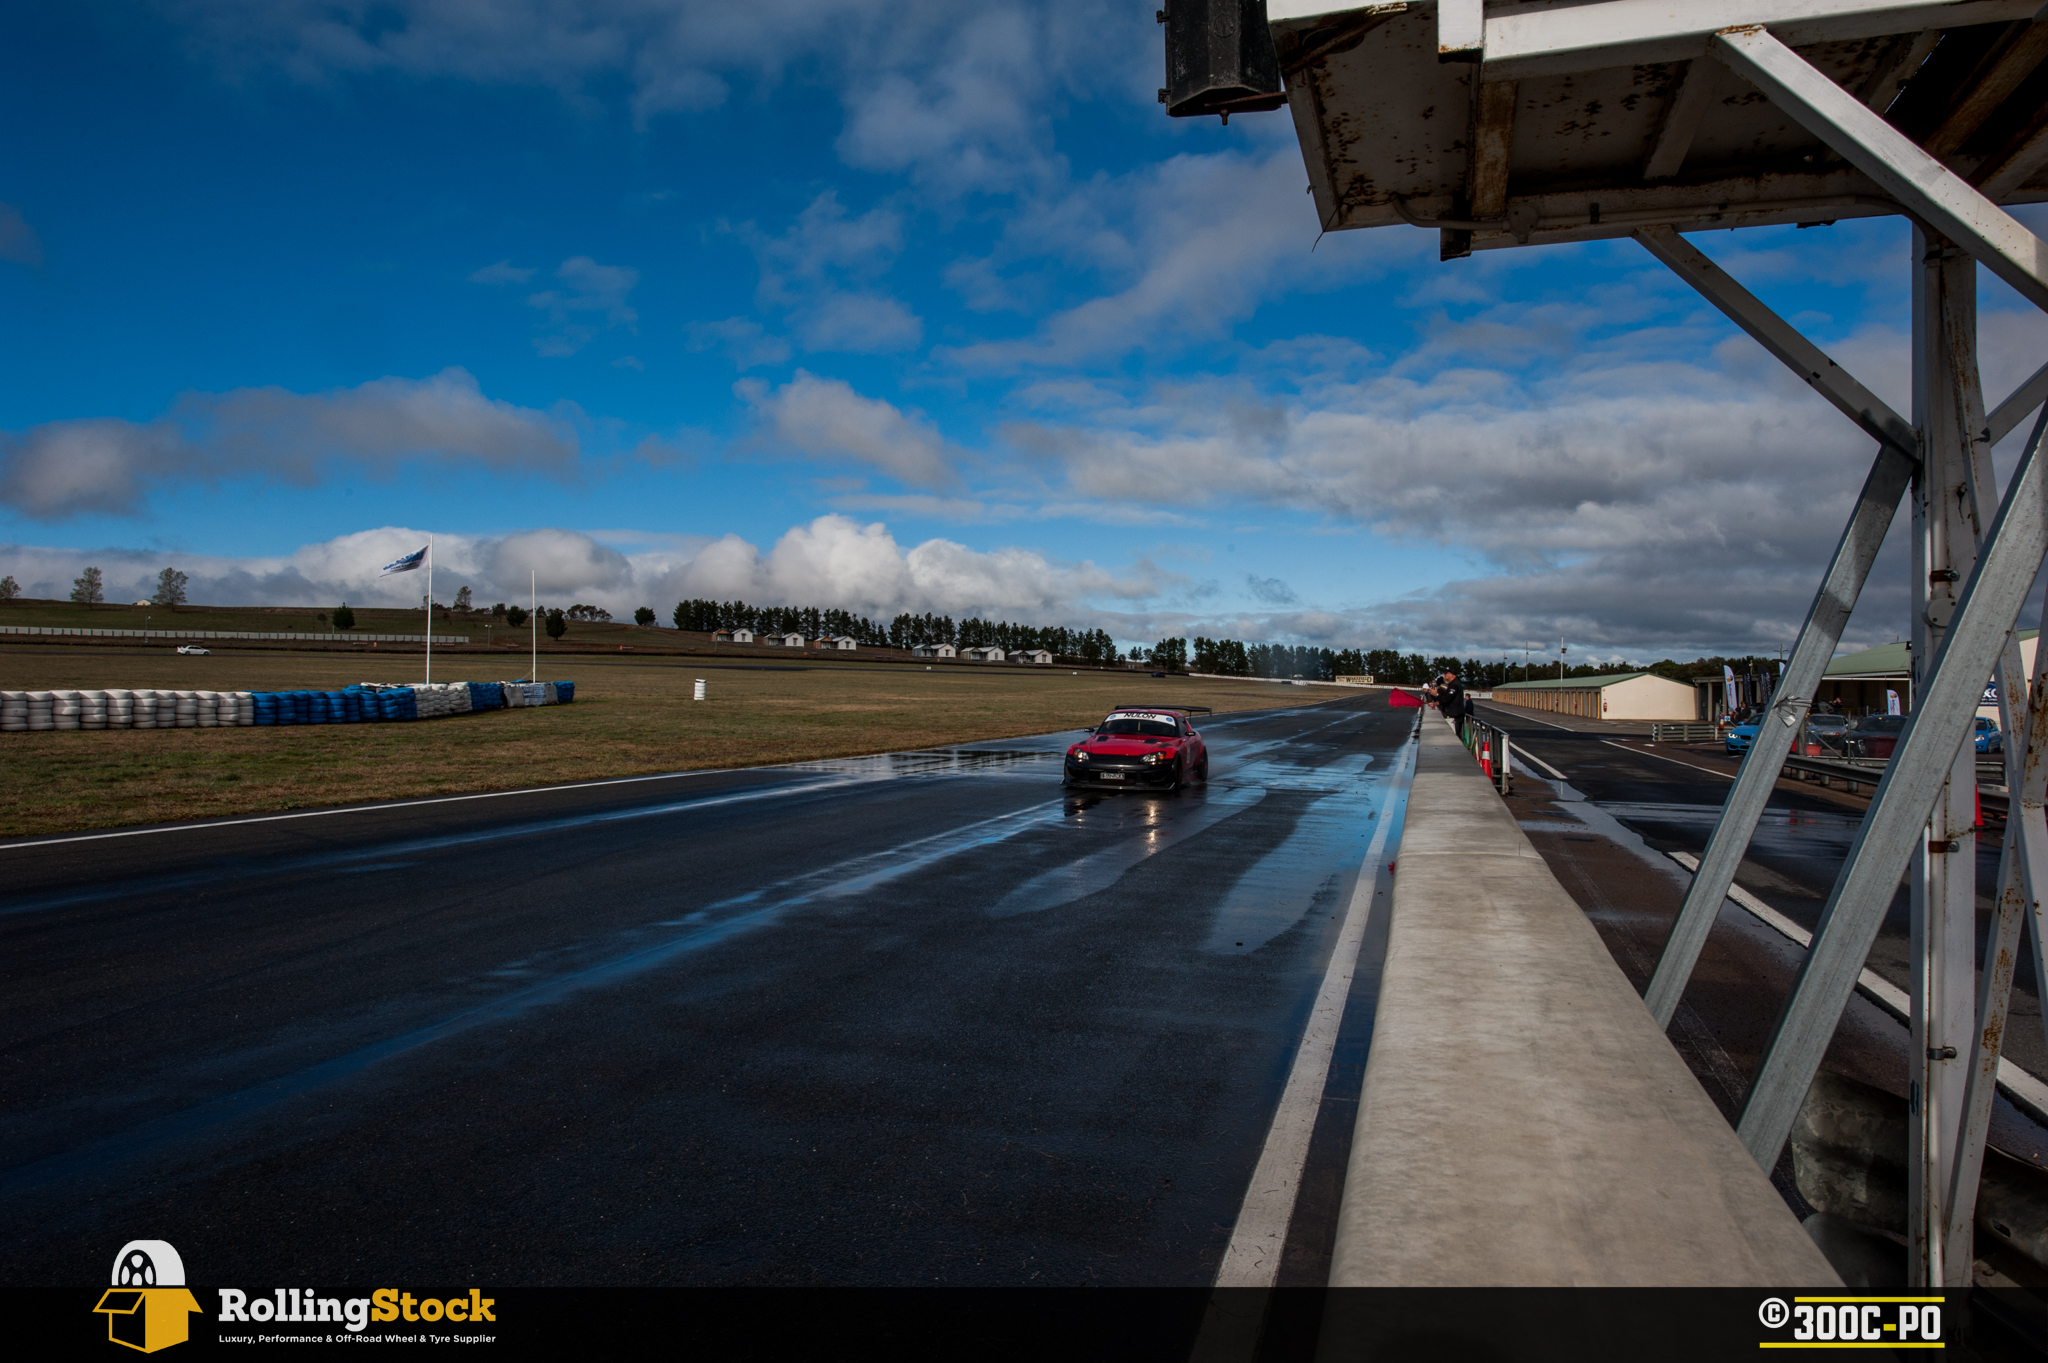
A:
[1825,735]
[1875,735]
[1149,746]
[1738,738]
[1988,737]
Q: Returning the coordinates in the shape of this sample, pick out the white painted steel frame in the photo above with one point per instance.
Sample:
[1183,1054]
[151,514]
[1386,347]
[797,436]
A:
[1905,798]
[1854,554]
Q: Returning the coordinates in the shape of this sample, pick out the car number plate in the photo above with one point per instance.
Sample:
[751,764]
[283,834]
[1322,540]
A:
[1112,775]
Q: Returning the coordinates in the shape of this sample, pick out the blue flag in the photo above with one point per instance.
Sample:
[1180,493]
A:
[406,564]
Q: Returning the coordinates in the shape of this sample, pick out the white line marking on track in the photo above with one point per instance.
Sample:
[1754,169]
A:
[369,809]
[2017,1082]
[1253,1259]
[1672,760]
[1555,774]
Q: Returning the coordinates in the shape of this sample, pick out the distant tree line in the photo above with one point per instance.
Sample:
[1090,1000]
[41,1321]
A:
[905,631]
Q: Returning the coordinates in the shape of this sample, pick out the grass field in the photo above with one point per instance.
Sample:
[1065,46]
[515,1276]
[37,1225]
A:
[631,716]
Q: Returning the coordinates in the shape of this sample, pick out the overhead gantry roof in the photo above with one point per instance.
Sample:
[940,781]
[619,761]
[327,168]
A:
[1571,120]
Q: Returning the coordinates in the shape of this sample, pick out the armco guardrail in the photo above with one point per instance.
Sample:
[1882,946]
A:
[233,634]
[1684,733]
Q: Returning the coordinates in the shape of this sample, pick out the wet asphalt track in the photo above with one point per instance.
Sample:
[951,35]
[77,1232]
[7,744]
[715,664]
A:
[907,1020]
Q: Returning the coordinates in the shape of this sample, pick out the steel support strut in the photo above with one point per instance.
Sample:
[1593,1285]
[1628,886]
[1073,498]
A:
[1927,189]
[1892,829]
[2022,875]
[1825,619]
[1949,411]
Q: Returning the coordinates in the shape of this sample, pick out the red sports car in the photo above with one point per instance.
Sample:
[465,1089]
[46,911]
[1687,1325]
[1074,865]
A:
[1152,746]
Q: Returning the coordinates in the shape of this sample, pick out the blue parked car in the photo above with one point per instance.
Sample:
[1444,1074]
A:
[1988,737]
[1741,736]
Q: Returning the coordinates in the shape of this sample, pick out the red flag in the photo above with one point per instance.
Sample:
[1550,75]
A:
[1401,700]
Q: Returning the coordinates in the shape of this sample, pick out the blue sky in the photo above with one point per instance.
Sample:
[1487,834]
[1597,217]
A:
[902,306]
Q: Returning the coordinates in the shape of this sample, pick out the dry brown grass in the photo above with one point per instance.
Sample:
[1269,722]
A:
[631,717]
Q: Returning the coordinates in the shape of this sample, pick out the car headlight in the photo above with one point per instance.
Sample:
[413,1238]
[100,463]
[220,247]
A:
[1150,759]
[1078,756]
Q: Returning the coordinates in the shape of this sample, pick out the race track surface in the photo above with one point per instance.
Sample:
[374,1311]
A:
[915,1019]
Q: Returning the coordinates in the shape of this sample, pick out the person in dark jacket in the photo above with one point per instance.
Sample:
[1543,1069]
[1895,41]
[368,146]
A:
[1450,697]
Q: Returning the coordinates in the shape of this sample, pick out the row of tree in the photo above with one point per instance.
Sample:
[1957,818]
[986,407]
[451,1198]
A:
[905,631]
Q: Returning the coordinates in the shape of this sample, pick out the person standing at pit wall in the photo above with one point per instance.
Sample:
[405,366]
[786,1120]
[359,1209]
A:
[1449,695]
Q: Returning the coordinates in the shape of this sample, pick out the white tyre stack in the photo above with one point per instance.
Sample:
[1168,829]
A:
[120,709]
[206,705]
[13,712]
[41,706]
[245,709]
[92,709]
[149,712]
[186,707]
[66,709]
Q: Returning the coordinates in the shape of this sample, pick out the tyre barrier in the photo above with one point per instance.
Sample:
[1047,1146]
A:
[364,703]
[35,711]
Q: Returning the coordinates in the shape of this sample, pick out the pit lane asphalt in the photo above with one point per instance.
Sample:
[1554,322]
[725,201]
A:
[922,1018]
[1624,809]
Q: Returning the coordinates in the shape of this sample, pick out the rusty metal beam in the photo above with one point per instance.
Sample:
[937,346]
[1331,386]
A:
[2015,163]
[1987,91]
[1689,106]
[1493,135]
[1902,58]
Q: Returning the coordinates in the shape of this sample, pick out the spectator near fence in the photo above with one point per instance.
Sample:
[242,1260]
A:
[1449,695]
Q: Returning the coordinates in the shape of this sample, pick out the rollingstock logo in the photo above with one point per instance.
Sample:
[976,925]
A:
[296,1306]
[149,1306]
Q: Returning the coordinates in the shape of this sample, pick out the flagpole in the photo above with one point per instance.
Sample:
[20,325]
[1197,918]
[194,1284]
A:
[430,610]
[533,622]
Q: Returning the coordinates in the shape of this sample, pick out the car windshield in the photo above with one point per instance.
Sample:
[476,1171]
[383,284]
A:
[1143,728]
[1881,724]
[1828,722]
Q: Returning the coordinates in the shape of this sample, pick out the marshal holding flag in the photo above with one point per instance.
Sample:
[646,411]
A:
[410,563]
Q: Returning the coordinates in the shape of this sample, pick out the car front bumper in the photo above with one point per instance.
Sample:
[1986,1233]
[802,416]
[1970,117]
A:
[1111,777]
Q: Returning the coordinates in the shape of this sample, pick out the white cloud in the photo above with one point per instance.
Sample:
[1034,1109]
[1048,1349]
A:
[827,419]
[958,99]
[66,468]
[503,272]
[1189,247]
[832,561]
[590,289]
[743,339]
[822,271]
